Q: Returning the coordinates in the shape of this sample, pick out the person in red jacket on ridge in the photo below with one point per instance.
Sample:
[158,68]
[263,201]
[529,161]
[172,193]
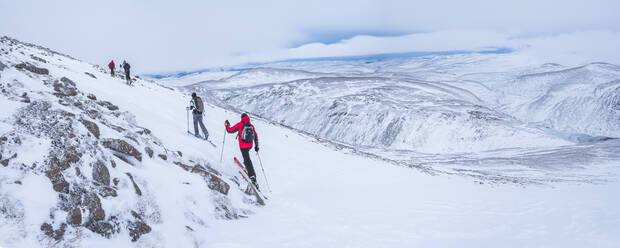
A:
[247,136]
[112,67]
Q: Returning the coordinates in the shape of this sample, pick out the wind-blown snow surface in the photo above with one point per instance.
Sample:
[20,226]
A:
[323,194]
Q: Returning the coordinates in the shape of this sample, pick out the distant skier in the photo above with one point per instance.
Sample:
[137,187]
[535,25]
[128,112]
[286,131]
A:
[247,135]
[126,66]
[112,66]
[197,107]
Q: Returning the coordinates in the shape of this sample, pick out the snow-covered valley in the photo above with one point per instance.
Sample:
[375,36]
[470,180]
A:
[447,151]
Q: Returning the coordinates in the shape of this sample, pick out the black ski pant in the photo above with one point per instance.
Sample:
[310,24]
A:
[127,77]
[245,152]
[112,71]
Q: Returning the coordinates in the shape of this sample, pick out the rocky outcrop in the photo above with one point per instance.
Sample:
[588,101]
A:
[58,180]
[101,174]
[90,74]
[31,68]
[108,105]
[91,127]
[122,147]
[65,87]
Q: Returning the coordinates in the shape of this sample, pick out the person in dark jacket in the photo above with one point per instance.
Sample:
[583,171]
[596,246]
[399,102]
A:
[126,66]
[245,129]
[112,66]
[197,107]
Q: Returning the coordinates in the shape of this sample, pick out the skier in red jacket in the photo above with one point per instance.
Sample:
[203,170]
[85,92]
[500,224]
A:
[247,136]
[112,67]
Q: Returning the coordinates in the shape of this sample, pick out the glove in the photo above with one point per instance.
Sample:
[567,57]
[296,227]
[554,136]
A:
[256,148]
[226,123]
[191,107]
[186,108]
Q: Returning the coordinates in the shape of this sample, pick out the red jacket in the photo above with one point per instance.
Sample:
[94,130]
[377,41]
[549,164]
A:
[111,64]
[237,128]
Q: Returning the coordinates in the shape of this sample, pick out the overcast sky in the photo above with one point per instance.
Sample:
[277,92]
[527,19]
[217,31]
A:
[163,36]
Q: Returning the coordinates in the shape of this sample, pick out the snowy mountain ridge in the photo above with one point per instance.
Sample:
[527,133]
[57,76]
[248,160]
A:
[78,169]
[469,107]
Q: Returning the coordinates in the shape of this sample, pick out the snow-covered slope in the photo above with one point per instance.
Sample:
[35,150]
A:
[469,107]
[88,161]
[324,193]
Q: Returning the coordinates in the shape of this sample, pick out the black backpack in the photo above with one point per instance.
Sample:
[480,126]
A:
[247,133]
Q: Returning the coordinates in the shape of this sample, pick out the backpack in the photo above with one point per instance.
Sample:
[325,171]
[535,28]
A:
[247,133]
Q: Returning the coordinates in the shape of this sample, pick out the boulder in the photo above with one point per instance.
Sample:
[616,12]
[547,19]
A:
[93,203]
[149,151]
[123,147]
[65,87]
[137,229]
[162,156]
[31,68]
[101,173]
[92,97]
[91,126]
[58,180]
[90,74]
[108,105]
[213,181]
[75,217]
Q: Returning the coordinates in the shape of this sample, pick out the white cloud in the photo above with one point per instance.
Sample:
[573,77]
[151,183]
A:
[162,35]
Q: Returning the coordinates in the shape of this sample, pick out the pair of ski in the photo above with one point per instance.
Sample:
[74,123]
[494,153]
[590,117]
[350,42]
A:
[200,137]
[260,197]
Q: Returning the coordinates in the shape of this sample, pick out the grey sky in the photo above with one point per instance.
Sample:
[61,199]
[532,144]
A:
[158,36]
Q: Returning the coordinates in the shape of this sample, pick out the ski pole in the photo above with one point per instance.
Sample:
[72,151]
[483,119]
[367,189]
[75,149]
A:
[222,153]
[262,168]
[187,112]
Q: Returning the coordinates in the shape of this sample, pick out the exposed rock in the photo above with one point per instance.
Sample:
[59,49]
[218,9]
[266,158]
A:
[180,153]
[5,162]
[123,147]
[68,156]
[91,126]
[137,229]
[58,180]
[65,87]
[213,181]
[75,217]
[149,151]
[90,74]
[25,98]
[92,97]
[2,66]
[107,191]
[101,173]
[163,156]
[31,68]
[104,228]
[116,128]
[116,181]
[38,59]
[48,230]
[108,105]
[93,203]
[135,186]
[182,165]
[144,131]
